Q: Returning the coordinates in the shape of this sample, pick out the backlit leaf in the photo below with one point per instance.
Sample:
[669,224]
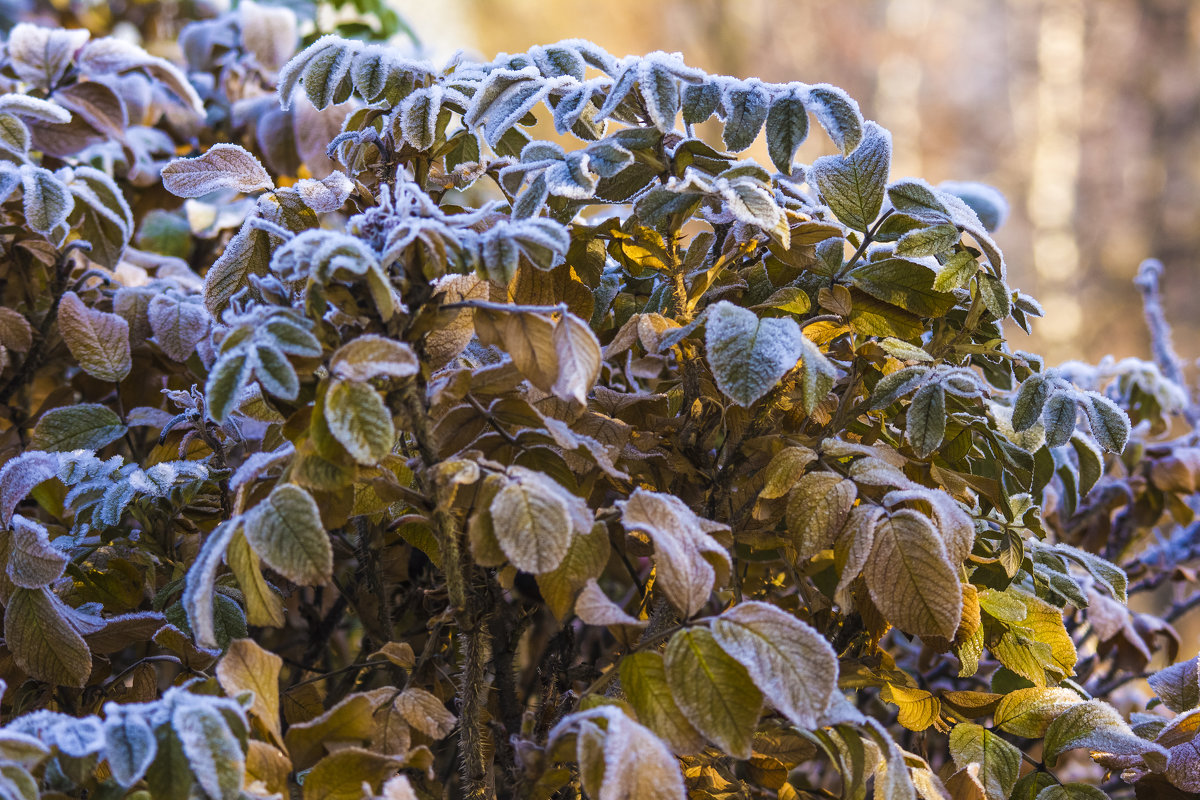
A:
[853,186]
[713,690]
[285,530]
[792,664]
[910,578]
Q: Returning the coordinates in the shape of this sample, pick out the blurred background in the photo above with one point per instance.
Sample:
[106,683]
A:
[1086,114]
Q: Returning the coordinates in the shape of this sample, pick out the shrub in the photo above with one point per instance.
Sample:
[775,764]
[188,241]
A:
[476,465]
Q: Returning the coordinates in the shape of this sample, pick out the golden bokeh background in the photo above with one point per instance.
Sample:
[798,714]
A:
[1085,113]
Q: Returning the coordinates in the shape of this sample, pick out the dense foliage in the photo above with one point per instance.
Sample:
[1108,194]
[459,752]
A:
[413,456]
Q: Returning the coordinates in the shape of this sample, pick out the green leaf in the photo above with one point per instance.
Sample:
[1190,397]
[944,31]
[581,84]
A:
[1031,399]
[585,560]
[999,761]
[47,201]
[929,241]
[1110,425]
[749,356]
[285,530]
[700,100]
[644,681]
[746,106]
[787,128]
[956,273]
[713,690]
[41,640]
[358,418]
[792,664]
[925,424]
[226,381]
[87,426]
[853,186]
[918,199]
[98,340]
[910,579]
[838,114]
[903,283]
[1028,712]
[247,253]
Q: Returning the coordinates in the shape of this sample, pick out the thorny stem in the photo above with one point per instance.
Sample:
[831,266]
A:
[477,779]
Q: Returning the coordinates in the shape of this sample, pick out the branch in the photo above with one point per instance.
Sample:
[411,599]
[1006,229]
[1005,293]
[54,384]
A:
[1147,281]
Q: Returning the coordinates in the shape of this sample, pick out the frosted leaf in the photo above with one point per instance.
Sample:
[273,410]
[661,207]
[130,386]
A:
[787,128]
[818,507]
[621,88]
[788,660]
[894,385]
[688,560]
[87,426]
[579,359]
[20,475]
[41,641]
[113,56]
[198,588]
[1178,686]
[916,198]
[573,105]
[746,109]
[854,544]
[129,745]
[571,178]
[557,60]
[418,115]
[269,33]
[910,579]
[33,560]
[874,471]
[749,356]
[179,324]
[79,738]
[660,90]
[532,521]
[326,195]
[594,608]
[750,202]
[47,202]
[285,530]
[214,756]
[838,114]
[222,166]
[1110,425]
[503,99]
[853,185]
[1058,418]
[999,762]
[41,56]
[35,108]
[98,340]
[1099,727]
[925,425]
[15,331]
[360,420]
[1028,712]
[274,372]
[636,763]
[425,713]
[257,464]
[700,101]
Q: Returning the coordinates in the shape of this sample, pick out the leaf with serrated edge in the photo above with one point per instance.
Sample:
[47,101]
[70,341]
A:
[817,508]
[98,340]
[644,681]
[1028,712]
[223,166]
[248,667]
[285,530]
[1099,727]
[999,761]
[910,579]
[713,690]
[42,642]
[853,186]
[788,660]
